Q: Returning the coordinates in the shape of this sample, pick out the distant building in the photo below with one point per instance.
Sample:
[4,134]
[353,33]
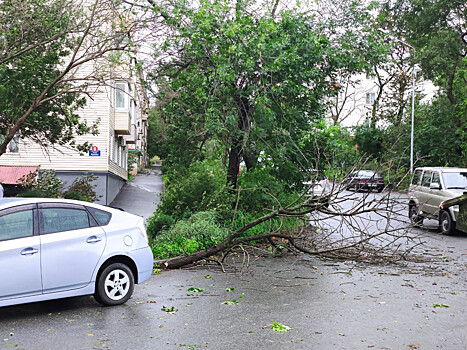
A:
[354,102]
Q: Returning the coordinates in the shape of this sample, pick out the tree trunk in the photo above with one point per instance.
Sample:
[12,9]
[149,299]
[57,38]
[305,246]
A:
[238,141]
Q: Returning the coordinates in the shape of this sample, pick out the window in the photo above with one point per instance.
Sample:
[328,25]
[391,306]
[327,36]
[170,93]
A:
[111,148]
[370,98]
[18,224]
[64,219]
[455,180]
[102,217]
[122,96]
[13,145]
[426,180]
[115,150]
[416,177]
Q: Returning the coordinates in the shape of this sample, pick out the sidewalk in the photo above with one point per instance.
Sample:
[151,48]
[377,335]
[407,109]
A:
[141,195]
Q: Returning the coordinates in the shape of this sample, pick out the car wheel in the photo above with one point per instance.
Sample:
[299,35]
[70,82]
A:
[115,285]
[446,225]
[415,219]
[379,189]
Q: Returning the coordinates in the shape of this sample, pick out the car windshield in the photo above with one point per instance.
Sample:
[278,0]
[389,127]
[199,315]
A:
[455,180]
[366,173]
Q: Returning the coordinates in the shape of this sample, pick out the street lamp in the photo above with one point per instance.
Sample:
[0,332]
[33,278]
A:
[413,113]
[414,72]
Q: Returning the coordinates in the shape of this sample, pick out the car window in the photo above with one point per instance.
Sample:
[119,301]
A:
[416,177]
[16,225]
[102,217]
[455,180]
[64,219]
[426,180]
[436,178]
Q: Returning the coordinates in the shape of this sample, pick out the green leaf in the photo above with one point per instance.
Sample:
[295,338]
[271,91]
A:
[279,327]
[441,305]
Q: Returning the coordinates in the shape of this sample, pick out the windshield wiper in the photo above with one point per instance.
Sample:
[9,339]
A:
[457,188]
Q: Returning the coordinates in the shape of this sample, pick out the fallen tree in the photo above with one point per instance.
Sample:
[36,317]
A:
[340,224]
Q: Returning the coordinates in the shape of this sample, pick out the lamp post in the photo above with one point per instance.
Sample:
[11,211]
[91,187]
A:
[413,113]
[414,72]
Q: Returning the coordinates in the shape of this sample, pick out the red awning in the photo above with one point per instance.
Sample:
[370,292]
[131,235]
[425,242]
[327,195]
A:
[9,175]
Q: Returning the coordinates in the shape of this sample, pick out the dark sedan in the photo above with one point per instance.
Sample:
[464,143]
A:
[364,180]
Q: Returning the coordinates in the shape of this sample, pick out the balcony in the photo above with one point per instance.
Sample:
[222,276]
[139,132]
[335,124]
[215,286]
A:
[122,123]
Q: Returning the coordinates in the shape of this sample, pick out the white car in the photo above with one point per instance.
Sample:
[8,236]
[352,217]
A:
[429,188]
[59,248]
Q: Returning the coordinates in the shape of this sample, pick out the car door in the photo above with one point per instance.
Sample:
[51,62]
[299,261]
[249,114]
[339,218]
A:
[424,191]
[72,245]
[435,198]
[20,253]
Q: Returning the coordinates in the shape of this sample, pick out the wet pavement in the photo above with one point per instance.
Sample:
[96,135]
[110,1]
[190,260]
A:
[141,195]
[327,304]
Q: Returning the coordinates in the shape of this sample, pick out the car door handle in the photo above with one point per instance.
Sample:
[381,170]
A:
[93,239]
[29,251]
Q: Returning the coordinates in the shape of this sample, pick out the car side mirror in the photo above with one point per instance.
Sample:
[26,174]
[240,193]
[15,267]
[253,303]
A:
[435,186]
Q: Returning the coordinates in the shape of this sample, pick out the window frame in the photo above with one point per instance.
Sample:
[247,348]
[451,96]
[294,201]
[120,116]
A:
[370,98]
[92,221]
[19,208]
[124,88]
[426,184]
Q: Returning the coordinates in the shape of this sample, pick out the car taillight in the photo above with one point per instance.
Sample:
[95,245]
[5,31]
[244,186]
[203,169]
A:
[142,228]
[381,181]
[362,181]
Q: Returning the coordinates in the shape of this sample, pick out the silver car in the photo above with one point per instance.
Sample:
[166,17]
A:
[431,186]
[59,248]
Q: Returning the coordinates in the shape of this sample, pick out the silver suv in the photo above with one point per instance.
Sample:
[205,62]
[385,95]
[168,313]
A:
[431,186]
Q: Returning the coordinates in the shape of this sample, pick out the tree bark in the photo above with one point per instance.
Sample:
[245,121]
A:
[238,141]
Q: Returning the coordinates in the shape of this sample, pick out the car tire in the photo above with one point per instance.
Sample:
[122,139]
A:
[447,226]
[415,219]
[115,285]
[379,189]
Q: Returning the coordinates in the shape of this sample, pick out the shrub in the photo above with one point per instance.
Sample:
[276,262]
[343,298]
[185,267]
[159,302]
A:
[31,194]
[83,189]
[158,222]
[48,185]
[201,187]
[75,195]
[201,231]
[259,189]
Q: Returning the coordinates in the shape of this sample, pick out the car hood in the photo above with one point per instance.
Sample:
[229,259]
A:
[456,192]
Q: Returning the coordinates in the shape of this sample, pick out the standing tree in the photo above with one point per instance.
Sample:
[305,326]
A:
[44,45]
[252,80]
[437,32]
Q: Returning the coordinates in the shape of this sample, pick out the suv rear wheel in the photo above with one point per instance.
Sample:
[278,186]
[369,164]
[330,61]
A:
[415,219]
[446,225]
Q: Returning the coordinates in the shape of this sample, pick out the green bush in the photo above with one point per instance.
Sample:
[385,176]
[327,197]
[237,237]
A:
[83,189]
[259,190]
[34,193]
[201,187]
[159,222]
[75,195]
[49,184]
[201,231]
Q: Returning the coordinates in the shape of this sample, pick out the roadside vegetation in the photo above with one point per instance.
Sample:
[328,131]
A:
[240,123]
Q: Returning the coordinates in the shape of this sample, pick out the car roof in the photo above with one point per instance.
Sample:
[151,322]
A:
[444,169]
[8,202]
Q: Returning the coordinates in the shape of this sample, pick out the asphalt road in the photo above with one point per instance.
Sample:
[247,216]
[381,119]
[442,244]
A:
[326,304]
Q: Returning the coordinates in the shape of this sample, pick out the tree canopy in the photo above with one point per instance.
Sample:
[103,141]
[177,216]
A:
[43,45]
[254,82]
